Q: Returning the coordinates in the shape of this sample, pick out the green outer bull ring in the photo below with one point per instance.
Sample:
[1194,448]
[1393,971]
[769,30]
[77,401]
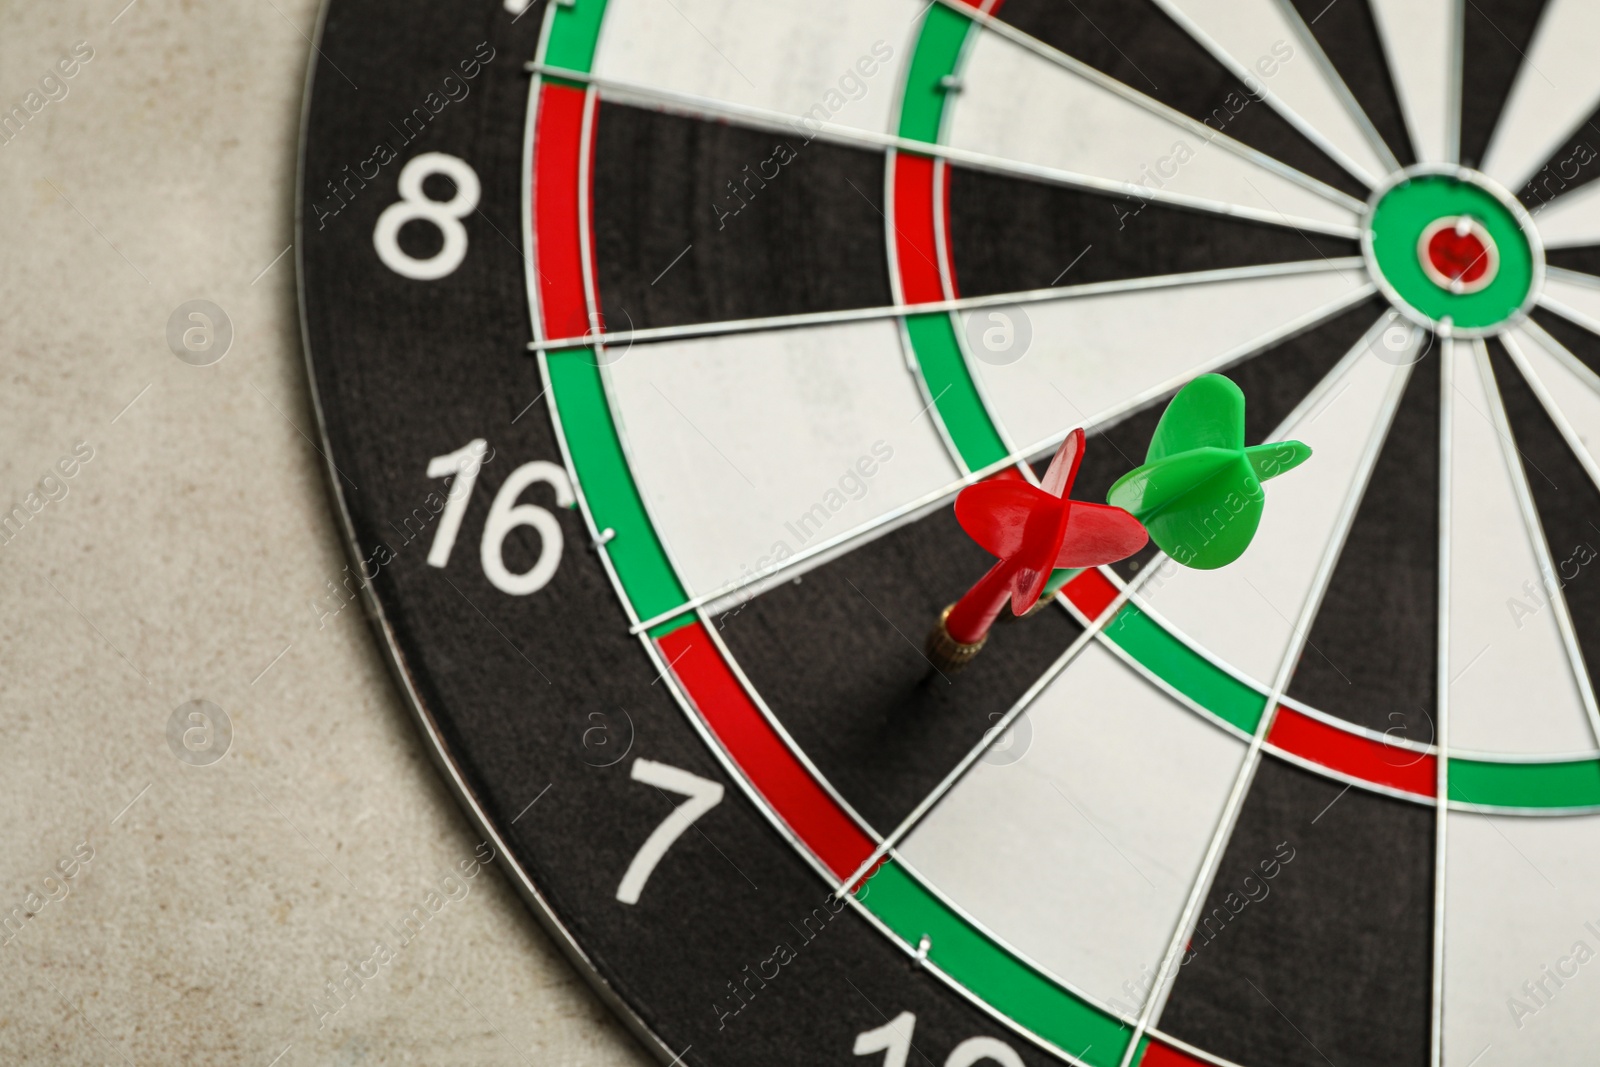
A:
[1400,210]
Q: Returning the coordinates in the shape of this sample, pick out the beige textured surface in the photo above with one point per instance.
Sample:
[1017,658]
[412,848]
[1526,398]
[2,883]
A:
[183,559]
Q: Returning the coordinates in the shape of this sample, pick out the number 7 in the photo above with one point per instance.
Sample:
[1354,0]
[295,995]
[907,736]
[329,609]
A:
[703,795]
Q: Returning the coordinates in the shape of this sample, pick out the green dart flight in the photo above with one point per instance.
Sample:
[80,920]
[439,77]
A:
[1199,491]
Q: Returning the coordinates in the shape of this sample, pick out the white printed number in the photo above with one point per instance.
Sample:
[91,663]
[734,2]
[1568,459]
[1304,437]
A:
[463,465]
[893,1039]
[703,795]
[505,515]
[416,206]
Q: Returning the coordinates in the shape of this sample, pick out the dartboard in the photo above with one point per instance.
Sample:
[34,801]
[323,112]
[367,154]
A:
[653,340]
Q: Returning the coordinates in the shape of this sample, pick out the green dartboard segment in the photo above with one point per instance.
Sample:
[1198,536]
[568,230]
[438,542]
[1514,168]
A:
[990,971]
[635,550]
[936,57]
[574,30]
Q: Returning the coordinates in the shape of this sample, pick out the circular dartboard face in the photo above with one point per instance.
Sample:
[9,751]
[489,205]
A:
[652,341]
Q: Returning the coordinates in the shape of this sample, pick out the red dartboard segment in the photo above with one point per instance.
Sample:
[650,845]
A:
[557,211]
[761,753]
[1090,592]
[916,244]
[1354,754]
[1159,1055]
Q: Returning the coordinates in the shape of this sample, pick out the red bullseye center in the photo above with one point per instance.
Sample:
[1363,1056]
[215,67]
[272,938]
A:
[1459,252]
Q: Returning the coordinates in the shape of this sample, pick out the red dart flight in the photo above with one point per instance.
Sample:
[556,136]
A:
[1032,530]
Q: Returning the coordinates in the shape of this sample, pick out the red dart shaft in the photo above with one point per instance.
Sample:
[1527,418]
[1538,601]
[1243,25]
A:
[970,619]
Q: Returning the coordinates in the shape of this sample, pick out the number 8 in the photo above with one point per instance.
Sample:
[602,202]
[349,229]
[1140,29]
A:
[415,205]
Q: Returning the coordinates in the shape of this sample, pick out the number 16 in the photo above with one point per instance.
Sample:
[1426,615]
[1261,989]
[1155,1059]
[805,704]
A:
[505,515]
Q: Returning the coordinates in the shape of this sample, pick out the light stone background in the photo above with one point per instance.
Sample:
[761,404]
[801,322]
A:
[182,564]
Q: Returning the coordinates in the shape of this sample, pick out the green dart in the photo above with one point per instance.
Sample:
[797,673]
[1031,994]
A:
[1199,491]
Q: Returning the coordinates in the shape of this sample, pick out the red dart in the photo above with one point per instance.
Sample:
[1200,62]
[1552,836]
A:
[1032,530]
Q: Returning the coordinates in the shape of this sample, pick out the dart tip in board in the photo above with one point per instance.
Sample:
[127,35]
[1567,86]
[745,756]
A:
[946,653]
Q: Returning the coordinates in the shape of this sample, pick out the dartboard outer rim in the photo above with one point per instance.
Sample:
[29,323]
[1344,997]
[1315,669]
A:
[389,649]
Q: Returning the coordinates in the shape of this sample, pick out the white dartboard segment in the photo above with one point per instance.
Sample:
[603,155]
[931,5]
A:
[1575,296]
[1020,105]
[1093,357]
[1557,88]
[1570,219]
[1081,854]
[1264,43]
[751,448]
[1512,683]
[797,61]
[1568,389]
[1245,613]
[1420,41]
[1521,941]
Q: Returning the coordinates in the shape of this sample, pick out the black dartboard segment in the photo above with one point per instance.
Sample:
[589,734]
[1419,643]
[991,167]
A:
[813,243]
[1144,47]
[651,344]
[1310,874]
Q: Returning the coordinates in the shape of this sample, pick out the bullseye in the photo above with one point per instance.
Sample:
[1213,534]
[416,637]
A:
[1458,254]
